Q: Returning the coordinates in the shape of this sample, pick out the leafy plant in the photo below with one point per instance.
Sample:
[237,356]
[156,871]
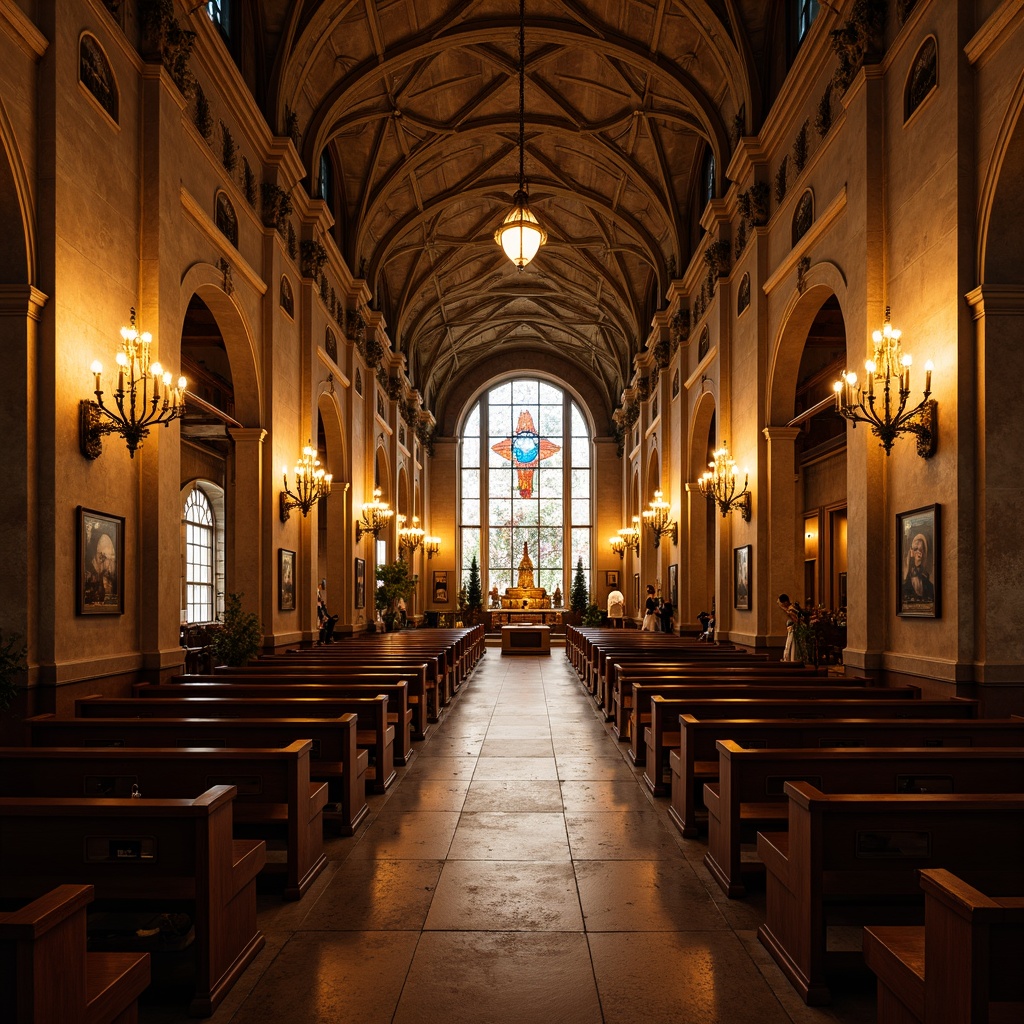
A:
[579,596]
[12,665]
[240,635]
[592,616]
[395,580]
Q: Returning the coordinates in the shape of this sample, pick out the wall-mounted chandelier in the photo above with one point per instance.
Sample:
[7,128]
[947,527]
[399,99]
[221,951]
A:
[882,400]
[627,539]
[145,397]
[375,516]
[656,519]
[432,546]
[720,481]
[520,234]
[410,537]
[312,482]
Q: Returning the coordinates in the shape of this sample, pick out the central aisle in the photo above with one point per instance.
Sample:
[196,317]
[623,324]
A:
[518,872]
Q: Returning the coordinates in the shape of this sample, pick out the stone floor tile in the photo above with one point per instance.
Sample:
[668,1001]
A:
[499,835]
[375,895]
[629,835]
[581,796]
[513,795]
[408,835]
[526,768]
[516,748]
[519,978]
[644,896]
[489,896]
[572,767]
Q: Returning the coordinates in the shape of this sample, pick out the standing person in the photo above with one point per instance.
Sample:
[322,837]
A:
[792,618]
[652,623]
[325,620]
[668,617]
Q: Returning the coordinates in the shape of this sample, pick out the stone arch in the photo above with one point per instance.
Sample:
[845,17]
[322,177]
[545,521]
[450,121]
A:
[97,76]
[17,210]
[821,281]
[205,281]
[923,77]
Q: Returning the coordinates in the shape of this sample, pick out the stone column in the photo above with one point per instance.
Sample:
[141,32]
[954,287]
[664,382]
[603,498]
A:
[778,566]
[695,589]
[246,555]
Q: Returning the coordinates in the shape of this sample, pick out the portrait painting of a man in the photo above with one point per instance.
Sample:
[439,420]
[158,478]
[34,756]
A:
[100,563]
[918,589]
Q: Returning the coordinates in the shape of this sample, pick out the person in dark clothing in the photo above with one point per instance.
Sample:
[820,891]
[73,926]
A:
[325,620]
[668,617]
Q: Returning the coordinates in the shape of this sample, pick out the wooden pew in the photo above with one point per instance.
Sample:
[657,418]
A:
[414,681]
[748,795]
[963,964]
[854,857]
[276,801]
[334,756]
[696,761]
[373,733]
[656,711]
[147,854]
[400,715]
[420,675]
[774,674]
[46,975]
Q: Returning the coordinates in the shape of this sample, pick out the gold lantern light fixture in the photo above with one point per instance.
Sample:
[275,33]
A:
[376,515]
[146,396]
[520,234]
[656,519]
[720,484]
[312,482]
[882,400]
[432,546]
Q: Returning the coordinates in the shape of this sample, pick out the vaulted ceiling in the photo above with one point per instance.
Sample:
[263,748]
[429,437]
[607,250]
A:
[417,103]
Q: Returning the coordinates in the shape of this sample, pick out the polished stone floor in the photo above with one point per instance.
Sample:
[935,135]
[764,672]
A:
[519,872]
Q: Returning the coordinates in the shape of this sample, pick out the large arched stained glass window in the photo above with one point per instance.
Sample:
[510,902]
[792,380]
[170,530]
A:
[526,479]
[199,562]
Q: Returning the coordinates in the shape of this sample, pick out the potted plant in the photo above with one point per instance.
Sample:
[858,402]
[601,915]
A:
[474,593]
[239,636]
[593,616]
[579,595]
[12,667]
[395,581]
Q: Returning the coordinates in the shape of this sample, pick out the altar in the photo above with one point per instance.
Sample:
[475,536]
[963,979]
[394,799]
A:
[525,605]
[525,639]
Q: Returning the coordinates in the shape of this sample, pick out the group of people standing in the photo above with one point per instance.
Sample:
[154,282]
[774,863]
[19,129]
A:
[659,615]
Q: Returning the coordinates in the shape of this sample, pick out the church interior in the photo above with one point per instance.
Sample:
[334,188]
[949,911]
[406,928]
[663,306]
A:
[358,335]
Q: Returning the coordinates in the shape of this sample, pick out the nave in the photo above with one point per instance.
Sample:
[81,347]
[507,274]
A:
[517,872]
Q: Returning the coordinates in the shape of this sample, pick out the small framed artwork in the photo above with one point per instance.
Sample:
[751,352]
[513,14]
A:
[285,580]
[611,578]
[918,575]
[360,583]
[636,593]
[99,563]
[741,577]
[673,585]
[440,586]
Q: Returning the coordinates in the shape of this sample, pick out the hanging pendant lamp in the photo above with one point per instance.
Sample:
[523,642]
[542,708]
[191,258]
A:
[520,234]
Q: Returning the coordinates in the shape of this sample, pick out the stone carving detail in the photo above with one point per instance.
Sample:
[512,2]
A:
[229,148]
[167,40]
[95,74]
[359,381]
[679,327]
[287,299]
[743,298]
[860,35]
[314,256]
[803,265]
[675,383]
[293,242]
[225,218]
[227,283]
[704,345]
[923,76]
[780,180]
[331,345]
[276,205]
[800,148]
[249,183]
[291,127]
[355,326]
[803,218]
[202,116]
[823,118]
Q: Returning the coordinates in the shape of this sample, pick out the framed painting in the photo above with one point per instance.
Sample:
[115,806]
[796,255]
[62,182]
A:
[741,577]
[285,580]
[611,578]
[918,570]
[440,586]
[99,563]
[360,583]
[673,585]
